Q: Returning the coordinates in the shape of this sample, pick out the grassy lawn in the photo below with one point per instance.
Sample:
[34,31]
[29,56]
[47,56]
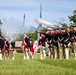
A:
[37,66]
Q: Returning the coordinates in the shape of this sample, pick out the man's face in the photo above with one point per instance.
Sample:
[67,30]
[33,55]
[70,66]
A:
[42,35]
[63,30]
[52,31]
[25,35]
[0,37]
[74,28]
[68,29]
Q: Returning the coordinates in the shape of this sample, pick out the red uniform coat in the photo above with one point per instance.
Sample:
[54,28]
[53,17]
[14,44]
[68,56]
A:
[31,47]
[23,44]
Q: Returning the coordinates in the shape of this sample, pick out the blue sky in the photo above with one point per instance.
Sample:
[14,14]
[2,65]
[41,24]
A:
[12,12]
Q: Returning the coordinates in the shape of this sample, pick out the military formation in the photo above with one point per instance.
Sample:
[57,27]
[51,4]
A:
[6,48]
[58,43]
[54,44]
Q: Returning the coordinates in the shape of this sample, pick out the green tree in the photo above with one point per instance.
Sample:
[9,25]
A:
[73,18]
[19,37]
[64,25]
[33,36]
[0,27]
[1,22]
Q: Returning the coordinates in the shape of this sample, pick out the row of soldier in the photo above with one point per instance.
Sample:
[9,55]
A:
[6,48]
[60,43]
[56,43]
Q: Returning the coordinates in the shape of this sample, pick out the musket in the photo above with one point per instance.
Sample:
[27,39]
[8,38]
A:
[58,22]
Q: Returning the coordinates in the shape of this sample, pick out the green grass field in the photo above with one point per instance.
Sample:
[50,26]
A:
[37,66]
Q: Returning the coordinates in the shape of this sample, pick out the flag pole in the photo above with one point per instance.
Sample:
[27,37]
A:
[24,20]
[40,24]
[23,25]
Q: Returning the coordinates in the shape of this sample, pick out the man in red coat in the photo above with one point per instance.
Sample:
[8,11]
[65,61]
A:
[25,46]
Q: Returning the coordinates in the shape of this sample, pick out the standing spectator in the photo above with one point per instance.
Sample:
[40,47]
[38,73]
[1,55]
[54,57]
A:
[35,46]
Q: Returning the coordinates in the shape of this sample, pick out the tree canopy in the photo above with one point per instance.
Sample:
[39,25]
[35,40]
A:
[0,22]
[73,18]
[32,36]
